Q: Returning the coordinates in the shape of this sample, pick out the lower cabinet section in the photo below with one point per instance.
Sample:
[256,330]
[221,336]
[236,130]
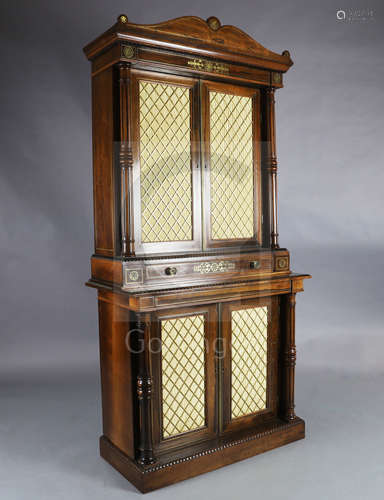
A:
[216,370]
[184,383]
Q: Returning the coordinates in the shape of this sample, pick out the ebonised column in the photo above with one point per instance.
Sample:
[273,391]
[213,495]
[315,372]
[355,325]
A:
[144,391]
[289,358]
[272,162]
[126,165]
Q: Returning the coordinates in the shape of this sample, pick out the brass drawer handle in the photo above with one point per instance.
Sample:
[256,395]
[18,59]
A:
[170,271]
[255,264]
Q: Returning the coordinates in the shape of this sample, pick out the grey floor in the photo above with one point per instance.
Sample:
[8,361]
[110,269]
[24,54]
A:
[49,428]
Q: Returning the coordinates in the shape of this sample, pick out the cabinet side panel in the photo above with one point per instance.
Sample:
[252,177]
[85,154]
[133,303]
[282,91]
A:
[103,165]
[116,378]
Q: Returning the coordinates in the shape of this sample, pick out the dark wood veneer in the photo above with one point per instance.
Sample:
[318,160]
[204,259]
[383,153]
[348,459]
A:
[140,284]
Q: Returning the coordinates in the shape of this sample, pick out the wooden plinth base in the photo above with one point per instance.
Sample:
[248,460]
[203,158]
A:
[206,457]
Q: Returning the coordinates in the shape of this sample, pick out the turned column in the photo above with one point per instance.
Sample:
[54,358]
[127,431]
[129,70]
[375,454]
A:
[289,359]
[272,162]
[144,452]
[126,165]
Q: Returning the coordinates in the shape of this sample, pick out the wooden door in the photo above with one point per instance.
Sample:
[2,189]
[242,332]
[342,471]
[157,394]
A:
[166,154]
[250,362]
[231,158]
[184,376]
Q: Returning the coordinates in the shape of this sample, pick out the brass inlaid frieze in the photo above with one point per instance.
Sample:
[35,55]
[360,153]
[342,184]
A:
[209,66]
[214,267]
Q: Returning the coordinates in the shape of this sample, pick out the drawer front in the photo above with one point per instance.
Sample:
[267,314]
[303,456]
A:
[174,272]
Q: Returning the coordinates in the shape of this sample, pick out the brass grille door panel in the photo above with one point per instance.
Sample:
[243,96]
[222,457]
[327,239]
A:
[167,200]
[186,369]
[165,156]
[249,361]
[183,377]
[250,339]
[232,159]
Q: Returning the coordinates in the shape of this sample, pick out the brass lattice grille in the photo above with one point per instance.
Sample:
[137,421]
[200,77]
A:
[165,163]
[249,361]
[231,157]
[183,374]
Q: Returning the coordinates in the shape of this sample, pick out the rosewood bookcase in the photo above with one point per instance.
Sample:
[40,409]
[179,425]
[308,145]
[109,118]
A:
[196,297]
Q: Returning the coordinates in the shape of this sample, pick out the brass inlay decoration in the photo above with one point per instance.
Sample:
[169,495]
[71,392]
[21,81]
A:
[249,361]
[231,161]
[282,263]
[183,374]
[209,66]
[165,163]
[214,267]
[213,23]
[132,276]
[276,77]
[128,51]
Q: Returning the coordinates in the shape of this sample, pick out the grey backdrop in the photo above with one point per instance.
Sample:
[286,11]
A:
[330,138]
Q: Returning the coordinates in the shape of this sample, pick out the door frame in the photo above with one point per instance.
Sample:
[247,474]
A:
[239,90]
[273,342]
[134,123]
[209,431]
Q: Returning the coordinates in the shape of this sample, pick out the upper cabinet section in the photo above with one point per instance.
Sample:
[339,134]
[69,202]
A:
[183,138]
[196,164]
[189,44]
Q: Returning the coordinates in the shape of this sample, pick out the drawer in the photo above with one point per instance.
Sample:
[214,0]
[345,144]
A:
[189,271]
